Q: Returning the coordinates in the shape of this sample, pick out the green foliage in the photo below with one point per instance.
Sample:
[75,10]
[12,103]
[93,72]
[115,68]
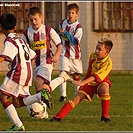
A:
[85,116]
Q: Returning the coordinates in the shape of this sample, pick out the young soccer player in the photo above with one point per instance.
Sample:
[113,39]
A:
[39,38]
[18,79]
[96,81]
[71,34]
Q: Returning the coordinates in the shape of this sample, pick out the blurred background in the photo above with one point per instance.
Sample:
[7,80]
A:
[111,19]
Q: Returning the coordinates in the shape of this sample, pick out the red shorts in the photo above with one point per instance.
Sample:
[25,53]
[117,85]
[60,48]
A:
[89,91]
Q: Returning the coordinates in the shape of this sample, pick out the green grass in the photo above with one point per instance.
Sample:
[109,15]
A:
[85,116]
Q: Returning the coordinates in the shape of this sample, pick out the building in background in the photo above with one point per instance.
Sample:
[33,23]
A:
[111,19]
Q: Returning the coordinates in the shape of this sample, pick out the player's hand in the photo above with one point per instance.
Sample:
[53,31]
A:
[56,57]
[62,30]
[79,83]
[54,60]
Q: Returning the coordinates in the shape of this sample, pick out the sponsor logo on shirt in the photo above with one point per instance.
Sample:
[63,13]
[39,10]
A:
[37,45]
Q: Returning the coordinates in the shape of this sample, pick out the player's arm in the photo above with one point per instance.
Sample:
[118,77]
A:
[83,82]
[57,41]
[70,37]
[57,53]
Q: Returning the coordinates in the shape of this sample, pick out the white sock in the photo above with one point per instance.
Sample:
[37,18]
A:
[32,99]
[13,115]
[63,89]
[56,82]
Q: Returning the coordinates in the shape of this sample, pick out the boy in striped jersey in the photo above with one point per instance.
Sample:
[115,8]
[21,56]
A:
[39,38]
[70,60]
[18,79]
[96,81]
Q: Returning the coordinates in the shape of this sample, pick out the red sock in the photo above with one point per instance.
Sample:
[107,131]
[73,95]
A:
[65,110]
[105,108]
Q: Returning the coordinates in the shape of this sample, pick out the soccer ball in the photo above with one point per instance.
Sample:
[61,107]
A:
[37,110]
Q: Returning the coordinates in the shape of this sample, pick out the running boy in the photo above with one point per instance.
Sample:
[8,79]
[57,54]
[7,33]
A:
[18,79]
[71,34]
[96,81]
[39,38]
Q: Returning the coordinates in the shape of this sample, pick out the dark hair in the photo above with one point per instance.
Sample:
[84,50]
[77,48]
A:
[108,43]
[8,21]
[34,10]
[73,6]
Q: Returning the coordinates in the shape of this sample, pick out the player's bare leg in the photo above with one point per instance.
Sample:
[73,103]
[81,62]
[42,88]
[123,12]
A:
[39,84]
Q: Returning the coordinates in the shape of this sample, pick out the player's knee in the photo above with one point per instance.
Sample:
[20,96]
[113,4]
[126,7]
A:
[104,96]
[18,103]
[103,88]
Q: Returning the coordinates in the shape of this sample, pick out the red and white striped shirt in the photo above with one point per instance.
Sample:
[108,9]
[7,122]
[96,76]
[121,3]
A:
[17,52]
[40,42]
[69,49]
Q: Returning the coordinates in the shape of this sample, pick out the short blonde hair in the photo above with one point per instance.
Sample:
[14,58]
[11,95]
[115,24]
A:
[108,43]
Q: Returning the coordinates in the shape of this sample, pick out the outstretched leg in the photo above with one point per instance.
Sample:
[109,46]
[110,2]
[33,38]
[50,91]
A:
[68,107]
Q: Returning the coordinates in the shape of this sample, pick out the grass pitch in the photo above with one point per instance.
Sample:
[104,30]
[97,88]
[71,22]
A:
[86,115]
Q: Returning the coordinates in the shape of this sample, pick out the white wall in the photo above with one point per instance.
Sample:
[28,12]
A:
[121,54]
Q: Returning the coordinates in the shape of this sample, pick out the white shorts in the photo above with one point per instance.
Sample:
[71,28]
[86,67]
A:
[44,72]
[11,88]
[71,65]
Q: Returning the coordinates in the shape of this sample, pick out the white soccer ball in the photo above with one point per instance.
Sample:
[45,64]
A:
[37,110]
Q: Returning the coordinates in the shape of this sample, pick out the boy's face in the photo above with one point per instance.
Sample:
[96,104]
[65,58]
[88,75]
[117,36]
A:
[36,21]
[72,15]
[101,51]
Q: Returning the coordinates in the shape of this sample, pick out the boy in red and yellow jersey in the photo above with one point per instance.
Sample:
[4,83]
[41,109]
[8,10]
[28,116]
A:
[96,81]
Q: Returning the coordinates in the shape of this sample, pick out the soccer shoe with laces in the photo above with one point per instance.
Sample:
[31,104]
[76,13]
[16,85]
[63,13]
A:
[65,76]
[105,119]
[16,128]
[46,98]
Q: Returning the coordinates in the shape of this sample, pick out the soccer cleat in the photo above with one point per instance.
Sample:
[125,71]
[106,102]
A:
[46,98]
[105,119]
[16,128]
[62,99]
[55,119]
[65,76]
